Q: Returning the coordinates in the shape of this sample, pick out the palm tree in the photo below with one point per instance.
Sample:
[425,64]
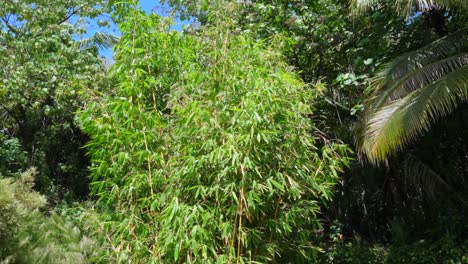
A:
[408,6]
[100,40]
[413,91]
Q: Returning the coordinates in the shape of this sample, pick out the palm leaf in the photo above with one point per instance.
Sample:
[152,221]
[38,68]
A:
[419,174]
[358,7]
[412,92]
[100,40]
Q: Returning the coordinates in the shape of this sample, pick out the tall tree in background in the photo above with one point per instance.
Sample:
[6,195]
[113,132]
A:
[43,76]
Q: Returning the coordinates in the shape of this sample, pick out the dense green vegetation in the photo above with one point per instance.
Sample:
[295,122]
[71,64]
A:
[291,131]
[44,73]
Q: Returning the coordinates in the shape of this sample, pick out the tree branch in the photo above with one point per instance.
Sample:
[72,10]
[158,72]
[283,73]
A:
[9,26]
[10,113]
[72,13]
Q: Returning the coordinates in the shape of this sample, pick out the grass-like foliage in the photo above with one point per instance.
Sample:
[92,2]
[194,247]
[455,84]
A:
[52,240]
[28,236]
[17,201]
[204,152]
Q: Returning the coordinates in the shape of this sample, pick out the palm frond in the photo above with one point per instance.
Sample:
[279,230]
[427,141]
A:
[100,40]
[437,50]
[410,93]
[418,173]
[359,7]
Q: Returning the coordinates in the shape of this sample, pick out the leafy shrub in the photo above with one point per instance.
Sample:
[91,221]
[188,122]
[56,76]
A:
[444,250]
[354,253]
[12,157]
[204,150]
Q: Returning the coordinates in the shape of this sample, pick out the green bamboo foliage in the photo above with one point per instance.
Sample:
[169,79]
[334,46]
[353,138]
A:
[204,152]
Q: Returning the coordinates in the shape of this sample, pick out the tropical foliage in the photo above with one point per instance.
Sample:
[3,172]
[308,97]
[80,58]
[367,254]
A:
[411,92]
[409,6]
[232,139]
